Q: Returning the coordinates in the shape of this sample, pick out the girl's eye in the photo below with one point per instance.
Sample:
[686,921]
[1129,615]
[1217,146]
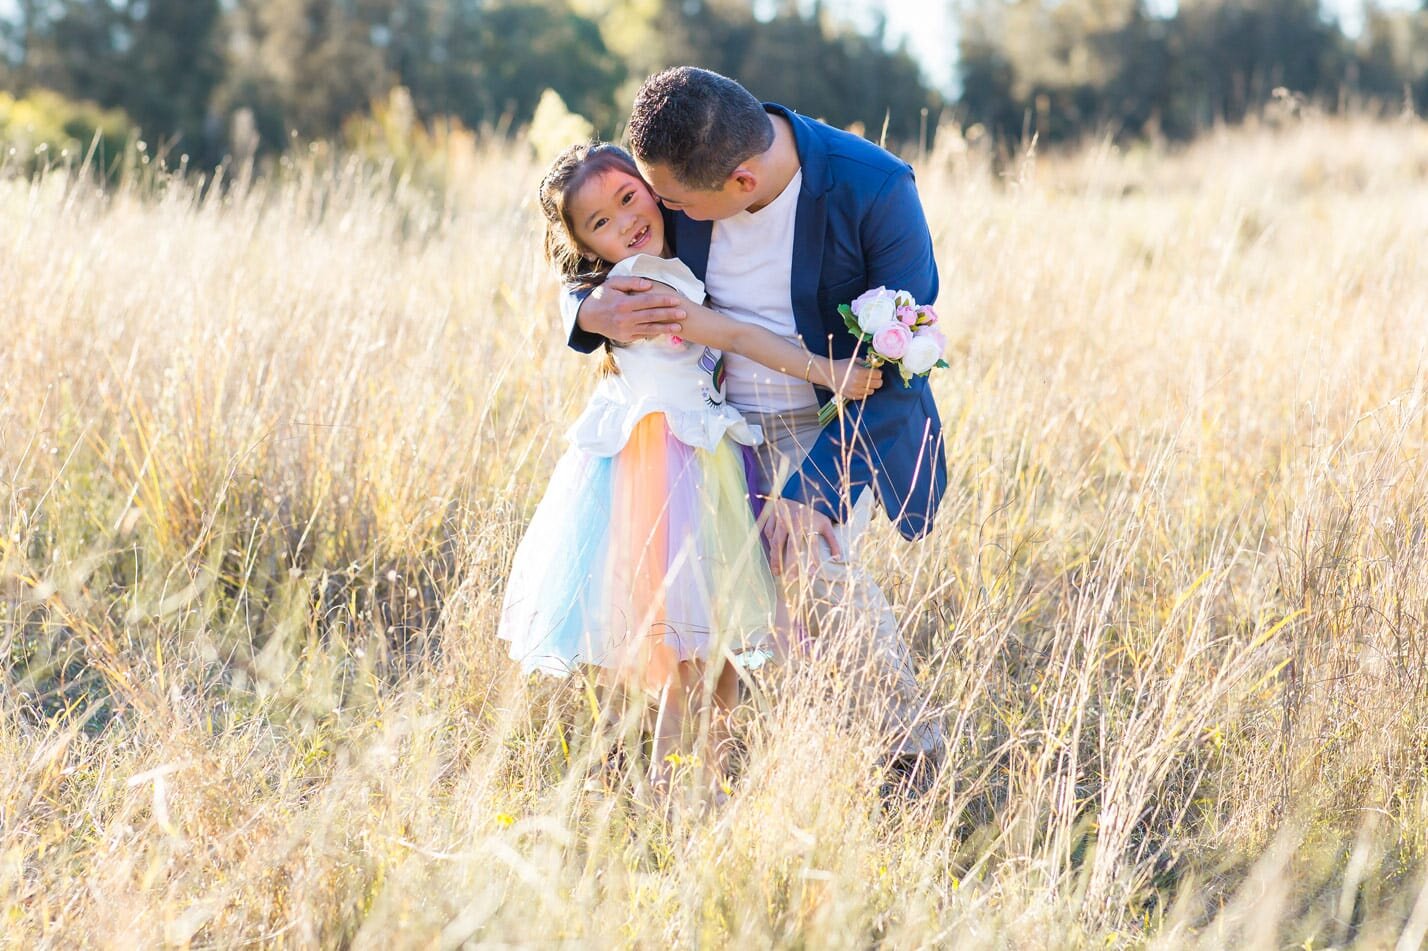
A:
[598,224]
[629,197]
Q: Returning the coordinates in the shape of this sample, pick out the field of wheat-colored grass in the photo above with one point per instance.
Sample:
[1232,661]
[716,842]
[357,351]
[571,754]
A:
[266,452]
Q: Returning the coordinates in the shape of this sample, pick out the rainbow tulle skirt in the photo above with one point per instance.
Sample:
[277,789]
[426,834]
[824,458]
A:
[638,561]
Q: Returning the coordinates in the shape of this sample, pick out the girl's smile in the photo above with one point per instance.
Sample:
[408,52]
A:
[615,215]
[640,239]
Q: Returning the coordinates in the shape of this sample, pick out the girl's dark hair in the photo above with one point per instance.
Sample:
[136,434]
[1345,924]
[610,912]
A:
[570,170]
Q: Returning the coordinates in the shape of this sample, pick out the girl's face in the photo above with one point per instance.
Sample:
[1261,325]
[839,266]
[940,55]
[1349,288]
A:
[615,215]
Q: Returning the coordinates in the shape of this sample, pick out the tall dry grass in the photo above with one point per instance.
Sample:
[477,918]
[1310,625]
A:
[265,453]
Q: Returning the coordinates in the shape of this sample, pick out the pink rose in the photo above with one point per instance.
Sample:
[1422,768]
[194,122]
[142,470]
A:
[926,315]
[908,316]
[892,341]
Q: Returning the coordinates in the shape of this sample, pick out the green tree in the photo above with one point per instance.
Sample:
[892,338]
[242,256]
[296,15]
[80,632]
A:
[301,66]
[802,59]
[157,60]
[75,47]
[842,76]
[526,48]
[306,65]
[171,70]
[1064,68]
[1391,58]
[990,91]
[1061,69]
[1231,54]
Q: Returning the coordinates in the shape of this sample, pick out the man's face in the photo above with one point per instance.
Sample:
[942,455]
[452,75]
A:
[698,203]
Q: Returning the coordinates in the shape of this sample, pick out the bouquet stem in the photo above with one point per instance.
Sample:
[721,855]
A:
[829,411]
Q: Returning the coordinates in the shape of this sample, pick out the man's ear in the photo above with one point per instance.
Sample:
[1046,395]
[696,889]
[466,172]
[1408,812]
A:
[744,179]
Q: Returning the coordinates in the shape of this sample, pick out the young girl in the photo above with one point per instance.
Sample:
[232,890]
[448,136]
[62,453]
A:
[643,559]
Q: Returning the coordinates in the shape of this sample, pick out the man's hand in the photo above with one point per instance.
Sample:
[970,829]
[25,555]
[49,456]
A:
[793,530]
[623,310]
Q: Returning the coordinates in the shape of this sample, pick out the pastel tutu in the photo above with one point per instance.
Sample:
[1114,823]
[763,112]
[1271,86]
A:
[641,559]
[643,552]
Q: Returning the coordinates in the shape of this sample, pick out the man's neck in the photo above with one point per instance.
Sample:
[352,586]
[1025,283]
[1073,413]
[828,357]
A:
[780,163]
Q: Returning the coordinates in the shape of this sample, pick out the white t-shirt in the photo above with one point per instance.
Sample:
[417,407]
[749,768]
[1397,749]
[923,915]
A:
[749,278]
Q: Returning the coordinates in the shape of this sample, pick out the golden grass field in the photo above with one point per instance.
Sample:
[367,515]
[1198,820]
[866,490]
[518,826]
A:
[265,457]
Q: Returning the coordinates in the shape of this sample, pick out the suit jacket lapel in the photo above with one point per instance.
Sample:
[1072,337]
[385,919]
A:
[808,231]
[691,243]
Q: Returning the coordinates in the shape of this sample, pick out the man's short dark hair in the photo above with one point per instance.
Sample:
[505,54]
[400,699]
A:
[698,124]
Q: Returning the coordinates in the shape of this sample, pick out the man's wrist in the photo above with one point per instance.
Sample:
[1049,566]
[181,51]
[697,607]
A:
[580,317]
[827,511]
[604,333]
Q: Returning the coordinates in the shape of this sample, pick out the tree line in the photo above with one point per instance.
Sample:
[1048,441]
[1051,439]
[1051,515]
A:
[182,70]
[1062,68]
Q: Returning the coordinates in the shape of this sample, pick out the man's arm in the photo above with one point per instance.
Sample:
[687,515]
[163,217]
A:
[898,251]
[580,340]
[621,309]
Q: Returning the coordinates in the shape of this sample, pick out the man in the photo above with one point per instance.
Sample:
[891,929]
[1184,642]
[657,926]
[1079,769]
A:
[785,218]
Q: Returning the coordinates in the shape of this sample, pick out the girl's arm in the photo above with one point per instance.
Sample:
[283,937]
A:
[848,378]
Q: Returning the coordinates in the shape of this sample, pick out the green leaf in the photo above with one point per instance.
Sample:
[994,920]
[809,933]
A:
[851,323]
[942,365]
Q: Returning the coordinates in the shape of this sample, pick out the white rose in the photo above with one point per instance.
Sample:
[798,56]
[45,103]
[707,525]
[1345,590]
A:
[877,313]
[922,355]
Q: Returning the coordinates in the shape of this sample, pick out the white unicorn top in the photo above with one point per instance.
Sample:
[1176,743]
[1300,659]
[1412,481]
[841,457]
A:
[682,380]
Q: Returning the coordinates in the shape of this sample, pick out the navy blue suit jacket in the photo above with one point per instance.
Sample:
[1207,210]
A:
[859,225]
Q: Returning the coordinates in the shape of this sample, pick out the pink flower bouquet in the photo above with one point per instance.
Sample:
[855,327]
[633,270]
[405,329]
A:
[898,332]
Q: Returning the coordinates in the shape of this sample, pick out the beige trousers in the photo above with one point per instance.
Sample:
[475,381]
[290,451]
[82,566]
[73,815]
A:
[850,618]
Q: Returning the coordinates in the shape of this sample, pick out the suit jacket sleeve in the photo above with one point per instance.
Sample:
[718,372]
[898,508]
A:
[846,456]
[579,340]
